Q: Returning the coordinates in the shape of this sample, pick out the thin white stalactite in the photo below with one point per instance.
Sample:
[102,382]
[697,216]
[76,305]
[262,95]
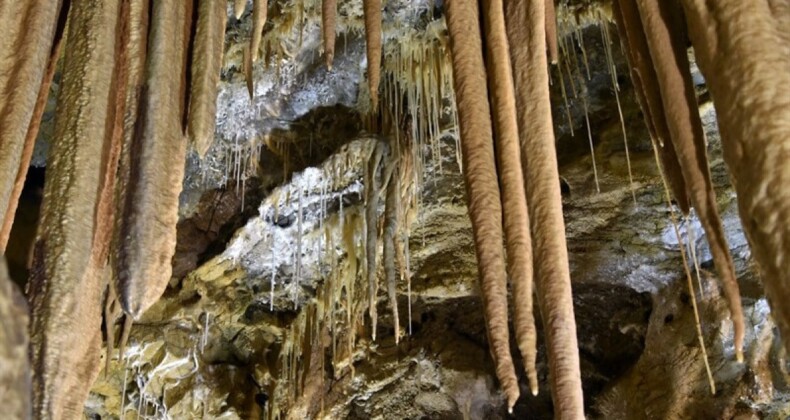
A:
[613,73]
[693,248]
[592,148]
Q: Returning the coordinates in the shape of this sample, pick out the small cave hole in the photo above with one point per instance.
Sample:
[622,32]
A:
[23,231]
[685,298]
[668,319]
[284,221]
[261,399]
[621,80]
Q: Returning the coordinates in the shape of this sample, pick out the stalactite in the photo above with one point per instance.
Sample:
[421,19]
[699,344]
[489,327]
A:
[607,45]
[32,130]
[580,40]
[590,141]
[373,45]
[328,17]
[551,31]
[664,39]
[371,228]
[692,244]
[742,50]
[157,158]
[260,9]
[565,101]
[187,39]
[544,200]
[29,30]
[391,222]
[105,207]
[136,50]
[645,80]
[15,375]
[687,272]
[238,8]
[511,182]
[105,211]
[298,271]
[206,66]
[247,70]
[482,186]
[65,298]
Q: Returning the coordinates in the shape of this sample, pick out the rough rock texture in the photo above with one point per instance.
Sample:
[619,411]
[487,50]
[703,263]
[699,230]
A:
[237,328]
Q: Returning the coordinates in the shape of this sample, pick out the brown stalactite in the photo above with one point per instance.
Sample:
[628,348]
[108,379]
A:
[260,9]
[156,157]
[667,49]
[206,67]
[238,8]
[136,51]
[32,131]
[189,26]
[105,204]
[373,45]
[246,63]
[636,80]
[644,73]
[482,186]
[29,29]
[371,228]
[392,208]
[65,297]
[525,20]
[15,375]
[328,18]
[511,182]
[105,207]
[742,49]
[551,32]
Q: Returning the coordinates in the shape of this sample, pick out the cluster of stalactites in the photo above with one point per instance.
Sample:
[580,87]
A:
[351,254]
[504,116]
[137,85]
[653,34]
